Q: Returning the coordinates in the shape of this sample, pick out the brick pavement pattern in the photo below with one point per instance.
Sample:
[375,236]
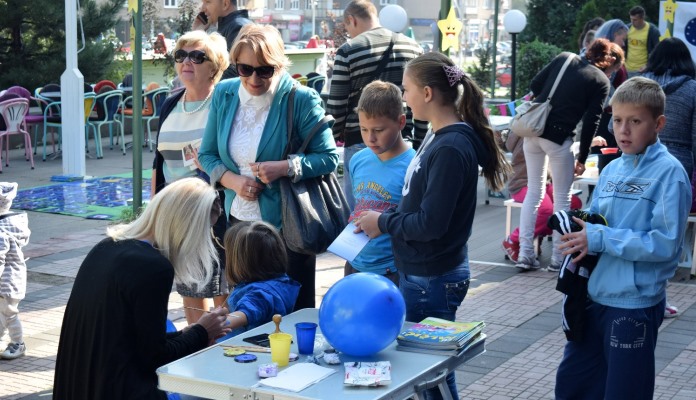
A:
[521,311]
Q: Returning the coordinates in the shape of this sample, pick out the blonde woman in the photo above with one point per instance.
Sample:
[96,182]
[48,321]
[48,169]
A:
[113,336]
[246,135]
[200,59]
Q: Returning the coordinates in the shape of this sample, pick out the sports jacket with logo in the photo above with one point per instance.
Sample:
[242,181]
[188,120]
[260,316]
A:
[646,200]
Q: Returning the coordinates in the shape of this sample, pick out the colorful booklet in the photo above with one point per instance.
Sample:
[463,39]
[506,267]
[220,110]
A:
[476,346]
[436,333]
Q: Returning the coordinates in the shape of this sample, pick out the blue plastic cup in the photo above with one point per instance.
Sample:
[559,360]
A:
[305,337]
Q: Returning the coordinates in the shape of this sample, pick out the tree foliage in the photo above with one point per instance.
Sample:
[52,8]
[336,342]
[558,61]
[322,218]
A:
[560,22]
[32,41]
[480,71]
[532,58]
[188,9]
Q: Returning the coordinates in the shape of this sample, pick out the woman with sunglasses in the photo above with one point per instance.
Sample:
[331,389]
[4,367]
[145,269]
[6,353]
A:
[246,135]
[200,61]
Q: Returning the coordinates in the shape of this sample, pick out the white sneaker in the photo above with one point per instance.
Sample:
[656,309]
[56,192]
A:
[671,311]
[14,350]
[527,263]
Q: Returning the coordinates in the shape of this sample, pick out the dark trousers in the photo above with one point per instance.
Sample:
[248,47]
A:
[392,276]
[616,358]
[301,267]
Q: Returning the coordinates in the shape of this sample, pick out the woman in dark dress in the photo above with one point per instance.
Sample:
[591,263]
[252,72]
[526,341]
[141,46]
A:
[114,336]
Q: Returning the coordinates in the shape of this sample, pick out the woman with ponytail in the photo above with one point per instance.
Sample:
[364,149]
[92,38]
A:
[579,96]
[432,224]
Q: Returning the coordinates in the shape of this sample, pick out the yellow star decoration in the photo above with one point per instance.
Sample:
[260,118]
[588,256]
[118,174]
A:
[132,6]
[450,28]
[670,8]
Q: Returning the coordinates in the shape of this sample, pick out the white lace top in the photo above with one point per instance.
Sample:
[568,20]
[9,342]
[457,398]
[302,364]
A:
[244,141]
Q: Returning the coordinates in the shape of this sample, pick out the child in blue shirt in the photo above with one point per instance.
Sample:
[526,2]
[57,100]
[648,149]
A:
[645,196]
[256,266]
[377,172]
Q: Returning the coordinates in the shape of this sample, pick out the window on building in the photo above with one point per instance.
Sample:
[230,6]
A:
[308,4]
[386,2]
[472,3]
[170,3]
[295,4]
[280,4]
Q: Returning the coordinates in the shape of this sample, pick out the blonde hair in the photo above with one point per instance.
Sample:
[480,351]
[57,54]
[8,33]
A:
[381,99]
[264,41]
[254,251]
[178,220]
[641,92]
[214,45]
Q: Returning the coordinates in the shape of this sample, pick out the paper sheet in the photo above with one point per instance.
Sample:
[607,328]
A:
[348,244]
[298,377]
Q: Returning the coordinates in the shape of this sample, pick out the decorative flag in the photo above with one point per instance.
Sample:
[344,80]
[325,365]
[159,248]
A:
[678,19]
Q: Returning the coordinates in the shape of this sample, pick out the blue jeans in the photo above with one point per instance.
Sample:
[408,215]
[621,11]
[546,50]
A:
[348,153]
[616,359]
[435,296]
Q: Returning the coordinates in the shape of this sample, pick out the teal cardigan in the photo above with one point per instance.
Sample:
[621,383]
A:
[321,157]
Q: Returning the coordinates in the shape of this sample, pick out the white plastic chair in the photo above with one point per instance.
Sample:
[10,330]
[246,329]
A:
[13,112]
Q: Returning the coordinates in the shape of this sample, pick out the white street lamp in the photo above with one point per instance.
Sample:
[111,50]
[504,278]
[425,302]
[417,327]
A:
[514,23]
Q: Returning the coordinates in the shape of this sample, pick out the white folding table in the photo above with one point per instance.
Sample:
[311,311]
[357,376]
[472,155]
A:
[209,374]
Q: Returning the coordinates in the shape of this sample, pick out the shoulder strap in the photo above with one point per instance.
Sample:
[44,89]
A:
[291,111]
[315,129]
[560,75]
[385,58]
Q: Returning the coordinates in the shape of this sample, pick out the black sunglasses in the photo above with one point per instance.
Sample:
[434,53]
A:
[246,70]
[196,56]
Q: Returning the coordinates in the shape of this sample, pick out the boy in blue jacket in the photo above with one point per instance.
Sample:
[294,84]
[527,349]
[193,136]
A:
[645,197]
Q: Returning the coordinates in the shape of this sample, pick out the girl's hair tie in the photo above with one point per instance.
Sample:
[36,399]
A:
[454,74]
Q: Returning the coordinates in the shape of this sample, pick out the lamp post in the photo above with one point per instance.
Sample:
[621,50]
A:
[514,23]
[314,16]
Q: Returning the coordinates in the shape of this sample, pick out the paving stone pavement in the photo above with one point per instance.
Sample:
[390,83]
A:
[521,310]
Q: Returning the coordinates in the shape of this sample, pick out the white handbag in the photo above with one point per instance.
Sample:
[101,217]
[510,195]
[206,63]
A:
[530,118]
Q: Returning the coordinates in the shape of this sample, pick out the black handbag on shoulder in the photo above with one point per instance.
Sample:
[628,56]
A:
[314,210]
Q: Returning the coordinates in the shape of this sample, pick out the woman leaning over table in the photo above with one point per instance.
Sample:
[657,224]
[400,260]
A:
[246,135]
[113,337]
[200,61]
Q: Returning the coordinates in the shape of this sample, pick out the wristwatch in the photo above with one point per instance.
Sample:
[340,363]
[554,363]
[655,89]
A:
[291,170]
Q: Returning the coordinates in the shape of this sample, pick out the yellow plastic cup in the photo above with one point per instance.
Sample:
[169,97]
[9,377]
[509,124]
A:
[280,348]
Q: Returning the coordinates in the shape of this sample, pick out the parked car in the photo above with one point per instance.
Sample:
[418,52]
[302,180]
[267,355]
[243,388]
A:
[503,76]
[427,46]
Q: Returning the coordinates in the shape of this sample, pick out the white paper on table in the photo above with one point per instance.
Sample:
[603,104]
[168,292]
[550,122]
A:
[348,244]
[298,377]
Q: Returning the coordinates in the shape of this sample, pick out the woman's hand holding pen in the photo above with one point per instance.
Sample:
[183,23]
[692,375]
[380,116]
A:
[215,322]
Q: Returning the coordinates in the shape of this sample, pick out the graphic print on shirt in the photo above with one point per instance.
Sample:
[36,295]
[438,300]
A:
[371,195]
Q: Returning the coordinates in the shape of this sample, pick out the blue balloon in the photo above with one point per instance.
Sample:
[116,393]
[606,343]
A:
[362,314]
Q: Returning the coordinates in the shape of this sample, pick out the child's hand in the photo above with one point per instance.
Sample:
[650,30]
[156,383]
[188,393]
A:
[575,242]
[215,323]
[367,222]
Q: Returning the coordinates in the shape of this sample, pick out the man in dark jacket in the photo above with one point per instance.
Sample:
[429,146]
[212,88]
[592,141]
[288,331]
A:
[229,21]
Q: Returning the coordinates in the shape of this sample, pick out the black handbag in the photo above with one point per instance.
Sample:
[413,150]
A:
[314,210]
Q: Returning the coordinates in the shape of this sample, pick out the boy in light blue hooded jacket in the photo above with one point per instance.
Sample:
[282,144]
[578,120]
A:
[645,196]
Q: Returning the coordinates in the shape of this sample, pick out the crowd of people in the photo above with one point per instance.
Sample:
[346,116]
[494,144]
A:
[214,225]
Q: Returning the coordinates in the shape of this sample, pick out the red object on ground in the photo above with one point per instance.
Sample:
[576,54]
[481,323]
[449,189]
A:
[609,150]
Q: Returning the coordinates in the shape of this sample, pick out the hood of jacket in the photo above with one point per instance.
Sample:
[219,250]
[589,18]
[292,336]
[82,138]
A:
[668,82]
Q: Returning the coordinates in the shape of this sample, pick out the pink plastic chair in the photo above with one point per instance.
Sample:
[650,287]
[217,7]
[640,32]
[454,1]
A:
[14,111]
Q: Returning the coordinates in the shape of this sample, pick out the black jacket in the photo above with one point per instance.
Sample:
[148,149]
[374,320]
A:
[580,95]
[229,27]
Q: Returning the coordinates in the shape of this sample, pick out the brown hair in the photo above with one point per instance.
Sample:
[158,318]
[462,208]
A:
[362,9]
[428,70]
[641,92]
[381,99]
[265,41]
[599,54]
[254,252]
